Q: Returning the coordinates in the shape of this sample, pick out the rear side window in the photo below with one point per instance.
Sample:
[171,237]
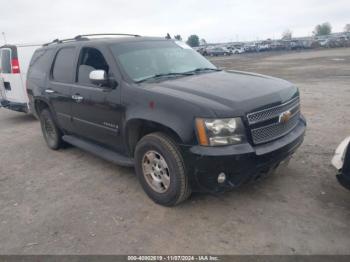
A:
[63,68]
[40,63]
[5,61]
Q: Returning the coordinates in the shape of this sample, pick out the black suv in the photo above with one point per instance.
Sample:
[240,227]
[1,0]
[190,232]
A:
[161,107]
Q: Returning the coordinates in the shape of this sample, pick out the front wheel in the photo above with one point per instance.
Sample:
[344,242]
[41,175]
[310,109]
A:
[161,170]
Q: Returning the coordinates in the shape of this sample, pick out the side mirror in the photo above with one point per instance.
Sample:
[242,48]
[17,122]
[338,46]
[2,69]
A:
[101,79]
[98,77]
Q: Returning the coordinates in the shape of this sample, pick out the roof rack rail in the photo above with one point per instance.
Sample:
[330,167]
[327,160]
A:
[85,37]
[116,34]
[58,41]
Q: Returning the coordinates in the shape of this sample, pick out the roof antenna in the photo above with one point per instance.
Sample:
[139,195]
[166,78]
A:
[4,36]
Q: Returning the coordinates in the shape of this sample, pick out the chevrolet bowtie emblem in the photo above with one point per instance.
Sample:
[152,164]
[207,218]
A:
[284,117]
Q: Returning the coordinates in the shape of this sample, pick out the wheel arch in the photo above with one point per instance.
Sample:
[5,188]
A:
[40,104]
[137,128]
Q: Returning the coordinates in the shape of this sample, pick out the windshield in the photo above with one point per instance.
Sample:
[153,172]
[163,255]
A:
[147,59]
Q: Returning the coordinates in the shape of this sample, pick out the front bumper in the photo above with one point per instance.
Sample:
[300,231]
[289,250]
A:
[240,163]
[19,107]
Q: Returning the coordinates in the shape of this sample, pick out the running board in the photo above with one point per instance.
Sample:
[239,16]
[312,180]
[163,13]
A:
[99,151]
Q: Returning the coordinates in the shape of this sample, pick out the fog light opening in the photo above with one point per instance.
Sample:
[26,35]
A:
[221,178]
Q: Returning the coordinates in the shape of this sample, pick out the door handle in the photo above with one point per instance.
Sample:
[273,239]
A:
[77,98]
[49,91]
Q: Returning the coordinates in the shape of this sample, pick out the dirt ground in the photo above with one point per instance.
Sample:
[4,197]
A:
[70,202]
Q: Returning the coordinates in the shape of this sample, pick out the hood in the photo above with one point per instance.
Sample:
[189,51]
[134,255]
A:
[229,93]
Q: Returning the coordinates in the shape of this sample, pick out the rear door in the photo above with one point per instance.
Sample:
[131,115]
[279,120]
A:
[13,90]
[2,88]
[59,88]
[5,69]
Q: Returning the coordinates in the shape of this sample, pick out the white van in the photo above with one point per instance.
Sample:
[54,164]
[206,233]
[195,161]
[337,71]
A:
[14,63]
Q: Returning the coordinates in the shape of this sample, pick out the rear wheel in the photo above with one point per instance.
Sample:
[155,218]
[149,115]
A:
[51,133]
[161,170]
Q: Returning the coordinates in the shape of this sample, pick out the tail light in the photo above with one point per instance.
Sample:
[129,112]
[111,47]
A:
[15,66]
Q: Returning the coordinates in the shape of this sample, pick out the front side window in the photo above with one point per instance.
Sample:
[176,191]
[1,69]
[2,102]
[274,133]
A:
[5,61]
[63,69]
[145,59]
[90,59]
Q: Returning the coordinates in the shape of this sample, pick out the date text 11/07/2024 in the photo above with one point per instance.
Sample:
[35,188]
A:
[173,258]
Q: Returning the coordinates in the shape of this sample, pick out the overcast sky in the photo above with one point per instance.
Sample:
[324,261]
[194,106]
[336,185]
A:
[215,20]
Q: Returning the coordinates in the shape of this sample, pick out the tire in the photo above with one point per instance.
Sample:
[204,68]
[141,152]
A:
[151,150]
[51,133]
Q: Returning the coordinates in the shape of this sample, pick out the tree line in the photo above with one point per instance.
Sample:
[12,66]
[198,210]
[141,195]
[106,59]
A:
[192,40]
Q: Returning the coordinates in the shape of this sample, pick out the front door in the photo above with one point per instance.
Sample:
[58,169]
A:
[96,109]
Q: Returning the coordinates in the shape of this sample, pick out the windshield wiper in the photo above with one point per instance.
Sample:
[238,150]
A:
[164,75]
[203,69]
[171,74]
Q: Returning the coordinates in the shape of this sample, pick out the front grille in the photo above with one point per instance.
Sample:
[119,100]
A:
[274,131]
[272,112]
[265,125]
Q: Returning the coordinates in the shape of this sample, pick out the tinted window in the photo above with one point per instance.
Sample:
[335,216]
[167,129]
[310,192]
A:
[5,59]
[63,68]
[90,59]
[40,63]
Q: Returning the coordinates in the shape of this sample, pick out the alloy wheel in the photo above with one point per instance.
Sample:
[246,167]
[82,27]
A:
[156,171]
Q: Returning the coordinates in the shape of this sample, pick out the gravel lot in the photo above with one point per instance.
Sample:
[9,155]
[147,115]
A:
[70,202]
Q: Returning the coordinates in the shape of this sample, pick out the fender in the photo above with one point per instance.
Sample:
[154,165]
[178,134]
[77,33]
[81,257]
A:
[177,114]
[184,130]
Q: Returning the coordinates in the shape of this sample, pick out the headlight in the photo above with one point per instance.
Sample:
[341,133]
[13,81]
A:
[220,132]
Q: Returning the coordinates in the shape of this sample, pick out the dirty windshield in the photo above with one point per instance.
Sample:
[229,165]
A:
[148,59]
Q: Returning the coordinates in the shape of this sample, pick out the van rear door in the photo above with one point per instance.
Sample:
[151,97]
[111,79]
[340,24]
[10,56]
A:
[5,68]
[2,90]
[12,88]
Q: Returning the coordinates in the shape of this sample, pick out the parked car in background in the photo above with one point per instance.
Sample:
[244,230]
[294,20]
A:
[201,50]
[237,50]
[296,45]
[307,44]
[251,48]
[324,42]
[278,45]
[334,41]
[261,47]
[14,63]
[341,161]
[218,51]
